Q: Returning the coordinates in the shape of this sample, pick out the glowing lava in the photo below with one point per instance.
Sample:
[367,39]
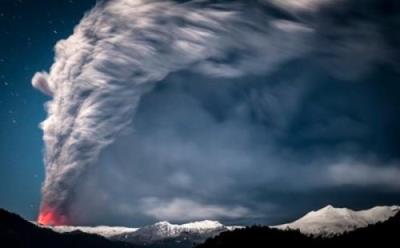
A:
[50,217]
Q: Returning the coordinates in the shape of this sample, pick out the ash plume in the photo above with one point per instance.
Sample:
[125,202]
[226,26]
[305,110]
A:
[122,49]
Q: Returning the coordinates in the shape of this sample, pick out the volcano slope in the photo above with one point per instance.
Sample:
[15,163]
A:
[15,232]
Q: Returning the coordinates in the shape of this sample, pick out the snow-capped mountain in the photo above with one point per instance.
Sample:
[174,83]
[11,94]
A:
[194,232]
[330,221]
[105,231]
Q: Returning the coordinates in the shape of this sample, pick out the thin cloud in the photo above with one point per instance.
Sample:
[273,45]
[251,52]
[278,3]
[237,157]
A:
[186,210]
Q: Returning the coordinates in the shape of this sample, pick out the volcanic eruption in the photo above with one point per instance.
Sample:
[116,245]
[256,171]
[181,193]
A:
[48,216]
[123,48]
[94,96]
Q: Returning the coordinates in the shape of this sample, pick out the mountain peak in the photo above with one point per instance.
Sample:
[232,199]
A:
[329,220]
[192,232]
[330,208]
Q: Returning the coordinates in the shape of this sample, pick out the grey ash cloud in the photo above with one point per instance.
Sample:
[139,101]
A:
[222,109]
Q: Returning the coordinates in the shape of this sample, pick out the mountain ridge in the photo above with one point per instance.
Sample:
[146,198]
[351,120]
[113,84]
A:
[330,221]
[17,232]
[158,234]
[161,229]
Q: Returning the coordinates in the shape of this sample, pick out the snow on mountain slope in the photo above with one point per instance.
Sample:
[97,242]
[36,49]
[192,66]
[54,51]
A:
[199,230]
[201,225]
[329,221]
[105,231]
[158,231]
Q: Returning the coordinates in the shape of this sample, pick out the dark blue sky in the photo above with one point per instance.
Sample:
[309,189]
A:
[29,30]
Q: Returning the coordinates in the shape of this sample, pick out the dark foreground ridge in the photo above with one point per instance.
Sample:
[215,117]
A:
[15,232]
[384,234]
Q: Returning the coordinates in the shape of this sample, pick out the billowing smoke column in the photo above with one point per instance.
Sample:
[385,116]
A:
[122,48]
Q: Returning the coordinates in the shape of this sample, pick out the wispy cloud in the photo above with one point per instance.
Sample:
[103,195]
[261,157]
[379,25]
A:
[358,174]
[185,210]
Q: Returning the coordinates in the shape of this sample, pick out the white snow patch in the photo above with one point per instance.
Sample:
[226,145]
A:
[330,221]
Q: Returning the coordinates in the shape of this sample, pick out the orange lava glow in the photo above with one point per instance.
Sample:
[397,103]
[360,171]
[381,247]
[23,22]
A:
[50,217]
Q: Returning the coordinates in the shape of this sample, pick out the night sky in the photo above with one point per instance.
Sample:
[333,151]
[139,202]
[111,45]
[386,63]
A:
[29,30]
[256,117]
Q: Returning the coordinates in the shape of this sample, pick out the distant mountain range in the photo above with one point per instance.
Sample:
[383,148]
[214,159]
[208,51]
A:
[328,223]
[158,234]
